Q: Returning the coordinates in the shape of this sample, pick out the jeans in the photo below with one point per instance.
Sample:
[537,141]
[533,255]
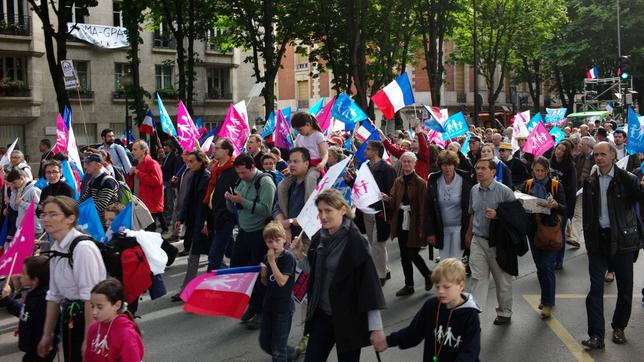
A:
[545,262]
[273,335]
[169,194]
[597,266]
[221,239]
[408,256]
[322,339]
[250,249]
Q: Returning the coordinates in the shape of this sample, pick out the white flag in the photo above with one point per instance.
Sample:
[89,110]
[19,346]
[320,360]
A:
[241,109]
[5,158]
[365,190]
[623,162]
[309,216]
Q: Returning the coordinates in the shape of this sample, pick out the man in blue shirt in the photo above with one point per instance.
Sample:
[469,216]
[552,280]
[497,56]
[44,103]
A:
[117,152]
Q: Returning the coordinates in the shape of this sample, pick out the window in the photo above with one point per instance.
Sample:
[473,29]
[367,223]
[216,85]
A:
[85,133]
[118,128]
[117,13]
[8,134]
[163,37]
[302,62]
[82,72]
[76,14]
[13,69]
[213,34]
[120,69]
[218,83]
[303,93]
[163,76]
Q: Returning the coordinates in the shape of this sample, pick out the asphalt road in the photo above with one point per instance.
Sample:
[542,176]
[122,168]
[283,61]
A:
[169,334]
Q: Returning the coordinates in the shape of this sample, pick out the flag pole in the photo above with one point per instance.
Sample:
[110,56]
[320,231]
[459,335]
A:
[82,112]
[13,264]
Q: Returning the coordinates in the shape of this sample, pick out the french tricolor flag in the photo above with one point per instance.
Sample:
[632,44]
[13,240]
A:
[591,73]
[147,126]
[394,96]
[221,292]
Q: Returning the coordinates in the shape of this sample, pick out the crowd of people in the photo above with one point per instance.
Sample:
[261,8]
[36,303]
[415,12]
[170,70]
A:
[241,210]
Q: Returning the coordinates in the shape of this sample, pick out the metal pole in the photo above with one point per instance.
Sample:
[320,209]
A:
[619,57]
[127,122]
[476,68]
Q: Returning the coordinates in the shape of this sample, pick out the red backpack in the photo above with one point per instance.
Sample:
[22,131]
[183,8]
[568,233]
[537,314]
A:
[137,276]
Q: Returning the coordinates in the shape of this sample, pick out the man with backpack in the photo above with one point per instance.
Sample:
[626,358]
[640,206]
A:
[103,188]
[253,199]
[118,153]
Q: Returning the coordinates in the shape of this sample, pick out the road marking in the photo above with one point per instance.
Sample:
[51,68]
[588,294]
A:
[568,340]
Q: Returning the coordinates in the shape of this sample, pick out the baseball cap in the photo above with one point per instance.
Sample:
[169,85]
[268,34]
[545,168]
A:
[93,157]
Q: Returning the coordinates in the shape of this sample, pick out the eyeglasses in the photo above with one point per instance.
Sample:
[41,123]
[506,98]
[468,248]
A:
[52,172]
[45,215]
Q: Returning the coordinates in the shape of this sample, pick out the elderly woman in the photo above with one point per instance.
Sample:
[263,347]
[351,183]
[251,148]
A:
[345,297]
[446,206]
[71,279]
[17,159]
[543,187]
[406,201]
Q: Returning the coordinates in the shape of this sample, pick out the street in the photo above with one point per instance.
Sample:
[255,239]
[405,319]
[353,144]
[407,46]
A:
[170,334]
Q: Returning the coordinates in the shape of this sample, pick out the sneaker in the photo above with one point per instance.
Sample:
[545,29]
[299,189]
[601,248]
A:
[546,312]
[184,252]
[500,320]
[248,315]
[406,290]
[593,342]
[176,298]
[172,252]
[255,322]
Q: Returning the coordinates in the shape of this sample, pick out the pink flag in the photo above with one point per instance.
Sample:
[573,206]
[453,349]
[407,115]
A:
[282,131]
[436,137]
[539,141]
[21,247]
[61,135]
[235,129]
[187,133]
[324,117]
[222,292]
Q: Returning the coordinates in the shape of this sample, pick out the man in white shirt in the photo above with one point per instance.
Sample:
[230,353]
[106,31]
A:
[119,156]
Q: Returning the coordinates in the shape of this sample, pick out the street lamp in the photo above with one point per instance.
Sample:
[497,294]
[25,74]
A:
[126,81]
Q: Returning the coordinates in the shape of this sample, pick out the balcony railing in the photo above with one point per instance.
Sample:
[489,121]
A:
[118,94]
[11,24]
[302,66]
[168,93]
[14,92]
[164,42]
[214,94]
[80,93]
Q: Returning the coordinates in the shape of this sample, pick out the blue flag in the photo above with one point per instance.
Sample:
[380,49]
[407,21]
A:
[558,134]
[123,219]
[499,172]
[269,126]
[375,136]
[347,144]
[67,117]
[455,126]
[347,111]
[432,123]
[89,220]
[68,175]
[41,183]
[342,186]
[287,115]
[554,115]
[534,121]
[465,148]
[4,231]
[635,134]
[164,117]
[317,107]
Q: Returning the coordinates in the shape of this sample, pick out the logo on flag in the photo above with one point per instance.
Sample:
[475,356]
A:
[558,134]
[164,117]
[555,115]
[455,126]
[365,191]
[395,96]
[347,111]
[235,129]
[539,141]
[22,245]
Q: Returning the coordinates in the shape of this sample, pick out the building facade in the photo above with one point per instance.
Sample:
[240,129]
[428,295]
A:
[28,106]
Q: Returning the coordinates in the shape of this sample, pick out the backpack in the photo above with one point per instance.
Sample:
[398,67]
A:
[136,275]
[106,251]
[554,186]
[123,194]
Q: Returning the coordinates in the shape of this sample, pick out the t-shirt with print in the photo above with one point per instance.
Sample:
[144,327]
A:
[311,143]
[279,299]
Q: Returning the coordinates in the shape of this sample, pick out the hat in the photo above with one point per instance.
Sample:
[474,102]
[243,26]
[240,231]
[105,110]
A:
[475,139]
[505,146]
[93,157]
[521,136]
[337,140]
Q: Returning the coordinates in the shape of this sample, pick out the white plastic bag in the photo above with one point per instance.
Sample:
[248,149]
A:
[151,244]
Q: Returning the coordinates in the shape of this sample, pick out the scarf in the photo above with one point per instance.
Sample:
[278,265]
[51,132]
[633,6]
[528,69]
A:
[539,188]
[215,172]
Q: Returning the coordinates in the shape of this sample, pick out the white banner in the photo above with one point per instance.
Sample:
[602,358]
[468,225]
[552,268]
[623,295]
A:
[365,190]
[309,217]
[102,36]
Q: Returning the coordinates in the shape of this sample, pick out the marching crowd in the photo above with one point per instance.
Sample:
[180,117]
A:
[241,210]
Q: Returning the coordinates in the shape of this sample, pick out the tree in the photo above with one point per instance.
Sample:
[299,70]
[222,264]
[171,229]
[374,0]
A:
[133,17]
[62,10]
[498,24]
[266,28]
[436,20]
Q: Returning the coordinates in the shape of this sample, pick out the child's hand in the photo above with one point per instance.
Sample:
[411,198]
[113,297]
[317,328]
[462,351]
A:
[270,255]
[296,246]
[6,291]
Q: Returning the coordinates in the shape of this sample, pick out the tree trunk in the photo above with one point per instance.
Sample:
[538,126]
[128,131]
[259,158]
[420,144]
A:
[269,95]
[191,56]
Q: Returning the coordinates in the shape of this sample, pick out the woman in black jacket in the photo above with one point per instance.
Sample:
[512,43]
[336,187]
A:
[447,191]
[194,214]
[543,187]
[563,169]
[345,297]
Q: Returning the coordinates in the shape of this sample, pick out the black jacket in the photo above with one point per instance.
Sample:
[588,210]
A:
[624,192]
[170,165]
[527,157]
[518,170]
[508,235]
[32,318]
[220,212]
[355,290]
[433,224]
[385,175]
[464,343]
[463,163]
[567,176]
[194,213]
